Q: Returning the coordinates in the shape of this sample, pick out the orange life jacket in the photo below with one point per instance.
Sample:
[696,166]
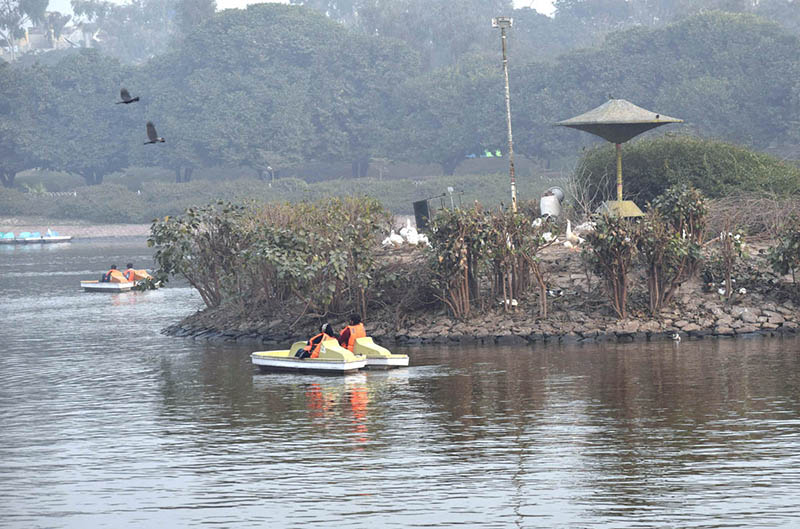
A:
[356,331]
[315,347]
[113,276]
[130,274]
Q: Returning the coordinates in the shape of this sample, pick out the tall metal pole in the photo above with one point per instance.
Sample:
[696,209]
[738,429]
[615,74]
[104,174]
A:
[508,121]
[619,173]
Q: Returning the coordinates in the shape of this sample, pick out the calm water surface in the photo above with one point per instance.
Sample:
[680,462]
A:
[104,422]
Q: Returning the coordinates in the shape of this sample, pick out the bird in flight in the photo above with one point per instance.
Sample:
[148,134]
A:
[126,97]
[152,135]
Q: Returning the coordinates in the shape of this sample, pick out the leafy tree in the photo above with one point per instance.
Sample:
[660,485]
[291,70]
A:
[17,120]
[784,257]
[15,15]
[452,113]
[192,13]
[79,128]
[131,32]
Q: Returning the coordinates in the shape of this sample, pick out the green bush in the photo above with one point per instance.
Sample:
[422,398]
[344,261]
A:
[650,166]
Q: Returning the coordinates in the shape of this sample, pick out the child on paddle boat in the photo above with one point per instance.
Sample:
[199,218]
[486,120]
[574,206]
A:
[311,350]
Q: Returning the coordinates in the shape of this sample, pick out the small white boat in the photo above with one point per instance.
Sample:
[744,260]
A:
[379,357]
[105,286]
[332,358]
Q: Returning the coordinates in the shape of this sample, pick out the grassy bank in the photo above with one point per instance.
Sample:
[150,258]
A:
[140,202]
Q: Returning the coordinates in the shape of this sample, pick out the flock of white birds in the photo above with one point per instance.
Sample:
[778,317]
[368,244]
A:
[408,234]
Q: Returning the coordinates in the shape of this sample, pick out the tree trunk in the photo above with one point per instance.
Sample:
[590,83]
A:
[359,167]
[8,178]
[93,179]
[449,166]
[185,177]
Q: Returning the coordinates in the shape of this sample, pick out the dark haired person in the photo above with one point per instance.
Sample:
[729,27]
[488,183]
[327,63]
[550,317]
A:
[313,345]
[348,336]
[129,273]
[112,273]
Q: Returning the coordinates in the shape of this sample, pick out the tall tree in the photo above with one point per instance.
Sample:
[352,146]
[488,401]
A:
[17,121]
[15,15]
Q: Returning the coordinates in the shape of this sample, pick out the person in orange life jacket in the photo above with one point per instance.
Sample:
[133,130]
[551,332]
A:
[313,345]
[130,272]
[347,338]
[107,276]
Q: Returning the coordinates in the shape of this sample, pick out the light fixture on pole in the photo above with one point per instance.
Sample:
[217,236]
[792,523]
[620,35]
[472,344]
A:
[503,23]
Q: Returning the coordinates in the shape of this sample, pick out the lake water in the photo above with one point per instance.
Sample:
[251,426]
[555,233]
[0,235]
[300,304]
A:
[105,422]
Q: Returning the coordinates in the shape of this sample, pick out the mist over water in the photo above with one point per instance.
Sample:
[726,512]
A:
[108,423]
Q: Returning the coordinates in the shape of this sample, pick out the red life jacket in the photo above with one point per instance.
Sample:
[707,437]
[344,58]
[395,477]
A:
[315,347]
[356,331]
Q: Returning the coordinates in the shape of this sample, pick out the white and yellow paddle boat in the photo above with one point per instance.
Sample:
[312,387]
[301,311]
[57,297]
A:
[332,358]
[107,286]
[379,357]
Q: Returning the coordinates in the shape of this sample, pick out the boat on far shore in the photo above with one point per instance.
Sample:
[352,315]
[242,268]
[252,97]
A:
[27,237]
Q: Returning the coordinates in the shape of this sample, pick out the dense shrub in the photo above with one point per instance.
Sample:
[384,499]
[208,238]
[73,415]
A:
[650,166]
[295,259]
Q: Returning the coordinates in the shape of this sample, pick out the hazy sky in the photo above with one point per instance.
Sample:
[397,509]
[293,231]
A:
[543,6]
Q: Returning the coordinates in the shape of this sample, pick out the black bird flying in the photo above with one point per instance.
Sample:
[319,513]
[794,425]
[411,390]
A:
[152,134]
[126,97]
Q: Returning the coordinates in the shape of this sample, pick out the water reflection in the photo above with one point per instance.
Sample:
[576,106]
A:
[106,422]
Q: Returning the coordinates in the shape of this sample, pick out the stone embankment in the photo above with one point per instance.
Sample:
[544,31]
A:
[708,319]
[578,312]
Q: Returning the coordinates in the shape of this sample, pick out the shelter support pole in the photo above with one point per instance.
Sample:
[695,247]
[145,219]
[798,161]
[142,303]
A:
[619,172]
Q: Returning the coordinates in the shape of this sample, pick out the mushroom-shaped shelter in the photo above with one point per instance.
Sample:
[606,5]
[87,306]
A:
[617,121]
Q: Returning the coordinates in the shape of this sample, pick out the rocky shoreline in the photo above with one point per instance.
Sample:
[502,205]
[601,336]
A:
[710,320]
[579,314]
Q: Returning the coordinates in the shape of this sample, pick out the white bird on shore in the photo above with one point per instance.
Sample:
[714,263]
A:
[537,222]
[412,237]
[676,337]
[585,227]
[392,240]
[395,239]
[423,239]
[404,229]
[548,237]
[572,237]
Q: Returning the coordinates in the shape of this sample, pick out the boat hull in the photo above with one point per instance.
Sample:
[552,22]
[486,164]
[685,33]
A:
[36,240]
[333,359]
[379,357]
[99,286]
[307,365]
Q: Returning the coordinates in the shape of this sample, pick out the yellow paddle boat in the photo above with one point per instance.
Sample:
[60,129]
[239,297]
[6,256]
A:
[379,357]
[332,358]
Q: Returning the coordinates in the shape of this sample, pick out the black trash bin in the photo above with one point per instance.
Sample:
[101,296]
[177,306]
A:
[421,214]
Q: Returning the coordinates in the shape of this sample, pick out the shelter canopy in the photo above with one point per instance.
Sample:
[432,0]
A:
[618,120]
